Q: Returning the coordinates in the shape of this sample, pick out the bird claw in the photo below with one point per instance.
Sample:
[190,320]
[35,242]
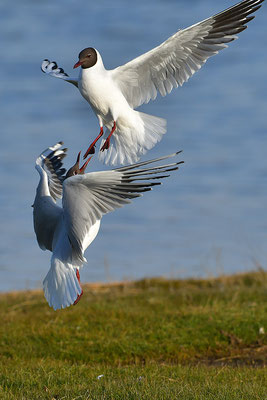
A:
[79,295]
[105,145]
[91,150]
[78,298]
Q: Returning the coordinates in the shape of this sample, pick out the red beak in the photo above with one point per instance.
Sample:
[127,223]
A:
[82,169]
[78,64]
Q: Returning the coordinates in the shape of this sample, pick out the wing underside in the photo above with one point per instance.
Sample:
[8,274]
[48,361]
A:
[86,198]
[179,57]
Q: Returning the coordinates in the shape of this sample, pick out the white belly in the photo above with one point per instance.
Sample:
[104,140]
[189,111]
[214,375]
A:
[106,100]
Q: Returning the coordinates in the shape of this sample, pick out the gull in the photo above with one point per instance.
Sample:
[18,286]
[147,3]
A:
[114,94]
[68,230]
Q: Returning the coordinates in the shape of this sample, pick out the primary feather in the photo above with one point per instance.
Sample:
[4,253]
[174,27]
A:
[172,63]
[68,230]
[114,94]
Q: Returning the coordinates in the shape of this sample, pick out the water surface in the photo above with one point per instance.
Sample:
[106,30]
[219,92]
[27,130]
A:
[208,218]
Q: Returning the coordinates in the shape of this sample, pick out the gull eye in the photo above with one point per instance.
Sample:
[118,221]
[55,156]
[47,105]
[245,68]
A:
[89,55]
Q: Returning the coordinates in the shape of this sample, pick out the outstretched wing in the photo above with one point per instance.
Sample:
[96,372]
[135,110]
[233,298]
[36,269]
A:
[179,57]
[51,68]
[51,161]
[86,198]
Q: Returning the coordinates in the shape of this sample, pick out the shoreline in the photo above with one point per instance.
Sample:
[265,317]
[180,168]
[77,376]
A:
[99,286]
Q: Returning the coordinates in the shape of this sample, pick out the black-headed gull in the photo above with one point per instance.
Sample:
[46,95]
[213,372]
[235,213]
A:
[68,230]
[114,94]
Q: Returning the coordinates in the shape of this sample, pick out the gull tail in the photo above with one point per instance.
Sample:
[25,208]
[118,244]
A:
[154,128]
[61,285]
[129,143]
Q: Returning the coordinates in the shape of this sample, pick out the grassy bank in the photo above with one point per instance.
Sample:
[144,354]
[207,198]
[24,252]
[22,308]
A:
[151,339]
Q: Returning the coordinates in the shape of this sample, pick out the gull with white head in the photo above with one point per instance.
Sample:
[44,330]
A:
[67,231]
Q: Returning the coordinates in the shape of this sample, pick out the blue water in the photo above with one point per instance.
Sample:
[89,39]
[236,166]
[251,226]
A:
[208,218]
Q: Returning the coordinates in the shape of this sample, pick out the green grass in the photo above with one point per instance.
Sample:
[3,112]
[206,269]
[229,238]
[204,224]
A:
[151,339]
[63,380]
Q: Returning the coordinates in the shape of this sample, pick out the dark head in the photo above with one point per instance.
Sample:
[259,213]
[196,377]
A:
[87,58]
[76,170]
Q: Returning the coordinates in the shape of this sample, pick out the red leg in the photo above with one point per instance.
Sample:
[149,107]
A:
[79,295]
[91,148]
[107,142]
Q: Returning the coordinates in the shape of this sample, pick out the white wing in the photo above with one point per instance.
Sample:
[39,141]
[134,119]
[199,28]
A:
[179,57]
[51,68]
[86,198]
[50,161]
[46,213]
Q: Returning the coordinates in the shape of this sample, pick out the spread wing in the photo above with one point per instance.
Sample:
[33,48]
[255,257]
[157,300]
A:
[51,68]
[51,161]
[86,198]
[46,213]
[173,62]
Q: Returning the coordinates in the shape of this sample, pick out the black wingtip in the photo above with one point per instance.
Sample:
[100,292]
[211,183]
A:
[61,71]
[55,65]
[178,152]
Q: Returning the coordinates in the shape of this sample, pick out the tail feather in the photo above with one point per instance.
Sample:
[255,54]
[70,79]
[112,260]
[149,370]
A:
[129,144]
[61,285]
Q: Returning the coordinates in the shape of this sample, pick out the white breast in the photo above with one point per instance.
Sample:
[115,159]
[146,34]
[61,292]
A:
[102,93]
